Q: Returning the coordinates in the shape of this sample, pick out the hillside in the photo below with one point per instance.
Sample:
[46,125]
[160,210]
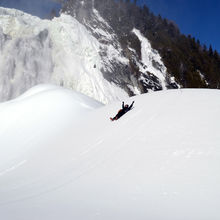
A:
[61,157]
[108,50]
[192,64]
[75,55]
[61,52]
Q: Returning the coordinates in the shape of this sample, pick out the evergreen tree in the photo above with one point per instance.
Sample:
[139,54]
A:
[210,51]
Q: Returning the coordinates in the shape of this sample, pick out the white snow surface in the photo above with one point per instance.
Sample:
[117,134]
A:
[62,158]
[62,52]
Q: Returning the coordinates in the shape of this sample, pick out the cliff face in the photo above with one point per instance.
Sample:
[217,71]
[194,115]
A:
[61,52]
[129,60]
[188,62]
[80,50]
[107,50]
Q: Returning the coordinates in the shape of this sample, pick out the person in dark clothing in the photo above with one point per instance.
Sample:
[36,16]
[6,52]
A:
[125,109]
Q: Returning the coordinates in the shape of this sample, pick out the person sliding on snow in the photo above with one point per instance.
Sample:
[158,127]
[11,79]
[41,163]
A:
[125,109]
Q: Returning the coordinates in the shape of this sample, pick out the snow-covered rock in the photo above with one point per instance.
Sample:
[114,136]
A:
[86,56]
[61,51]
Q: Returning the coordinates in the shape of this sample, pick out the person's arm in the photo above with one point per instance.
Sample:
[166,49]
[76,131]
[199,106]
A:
[130,107]
[123,105]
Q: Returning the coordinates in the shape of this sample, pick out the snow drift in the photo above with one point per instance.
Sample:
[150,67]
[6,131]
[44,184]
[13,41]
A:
[61,157]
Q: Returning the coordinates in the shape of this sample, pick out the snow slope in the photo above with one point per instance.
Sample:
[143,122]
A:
[62,158]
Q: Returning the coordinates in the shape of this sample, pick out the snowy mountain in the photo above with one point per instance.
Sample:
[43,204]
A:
[61,156]
[129,60]
[61,51]
[159,161]
[77,53]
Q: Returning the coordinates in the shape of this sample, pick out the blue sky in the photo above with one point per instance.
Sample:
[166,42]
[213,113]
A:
[39,8]
[200,18]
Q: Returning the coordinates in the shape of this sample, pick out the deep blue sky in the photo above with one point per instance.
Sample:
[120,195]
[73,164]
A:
[200,18]
[40,8]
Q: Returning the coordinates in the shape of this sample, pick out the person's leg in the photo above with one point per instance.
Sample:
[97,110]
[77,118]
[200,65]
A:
[115,118]
[120,113]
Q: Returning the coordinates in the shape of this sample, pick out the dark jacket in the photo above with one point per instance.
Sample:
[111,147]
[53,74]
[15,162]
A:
[126,108]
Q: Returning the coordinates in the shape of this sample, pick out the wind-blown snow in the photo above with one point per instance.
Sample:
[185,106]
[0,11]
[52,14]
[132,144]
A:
[61,51]
[62,158]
